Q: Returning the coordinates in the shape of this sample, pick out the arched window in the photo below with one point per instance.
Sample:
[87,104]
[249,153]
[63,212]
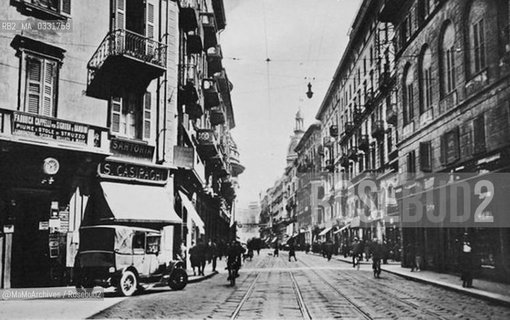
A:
[477,36]
[448,59]
[408,94]
[426,80]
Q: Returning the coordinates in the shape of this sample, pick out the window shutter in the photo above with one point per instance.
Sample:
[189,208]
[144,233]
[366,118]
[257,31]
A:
[65,7]
[147,108]
[479,134]
[116,114]
[442,157]
[34,75]
[120,14]
[50,71]
[425,156]
[149,26]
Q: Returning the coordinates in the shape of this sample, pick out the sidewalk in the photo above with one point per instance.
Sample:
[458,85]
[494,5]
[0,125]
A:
[483,289]
[208,272]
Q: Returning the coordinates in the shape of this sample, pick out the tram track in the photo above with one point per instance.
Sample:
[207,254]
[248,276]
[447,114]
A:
[356,306]
[305,313]
[390,298]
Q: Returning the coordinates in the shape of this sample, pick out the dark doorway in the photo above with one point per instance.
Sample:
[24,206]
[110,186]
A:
[30,251]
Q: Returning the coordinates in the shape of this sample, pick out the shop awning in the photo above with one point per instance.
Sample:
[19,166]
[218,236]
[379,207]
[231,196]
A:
[341,229]
[192,212]
[324,231]
[139,203]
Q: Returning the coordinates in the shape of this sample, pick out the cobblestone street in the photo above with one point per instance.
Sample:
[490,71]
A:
[271,287]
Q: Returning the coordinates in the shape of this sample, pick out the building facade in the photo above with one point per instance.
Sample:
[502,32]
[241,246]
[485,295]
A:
[452,97]
[89,133]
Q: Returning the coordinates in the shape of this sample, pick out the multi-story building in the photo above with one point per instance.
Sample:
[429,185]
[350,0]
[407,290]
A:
[309,180]
[452,89]
[82,103]
[208,176]
[359,140]
[97,145]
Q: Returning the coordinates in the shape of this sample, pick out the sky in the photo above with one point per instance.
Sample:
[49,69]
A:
[304,40]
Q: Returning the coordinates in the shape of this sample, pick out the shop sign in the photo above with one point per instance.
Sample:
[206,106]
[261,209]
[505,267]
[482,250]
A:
[44,225]
[49,128]
[131,149]
[184,157]
[131,171]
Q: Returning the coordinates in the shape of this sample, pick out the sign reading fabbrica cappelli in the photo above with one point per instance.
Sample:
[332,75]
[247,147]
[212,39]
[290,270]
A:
[49,128]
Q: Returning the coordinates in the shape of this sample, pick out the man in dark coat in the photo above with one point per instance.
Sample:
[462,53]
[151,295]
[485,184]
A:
[292,251]
[357,251]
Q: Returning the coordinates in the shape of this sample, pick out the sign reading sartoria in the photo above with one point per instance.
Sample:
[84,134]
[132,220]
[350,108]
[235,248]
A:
[131,149]
[130,171]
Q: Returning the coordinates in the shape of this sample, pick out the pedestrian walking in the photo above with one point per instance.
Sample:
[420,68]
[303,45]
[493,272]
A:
[292,251]
[328,249]
[201,256]
[357,251]
[276,249]
[214,253]
[466,262]
[194,257]
[377,252]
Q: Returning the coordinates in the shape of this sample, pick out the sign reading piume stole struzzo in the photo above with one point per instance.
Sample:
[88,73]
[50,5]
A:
[49,128]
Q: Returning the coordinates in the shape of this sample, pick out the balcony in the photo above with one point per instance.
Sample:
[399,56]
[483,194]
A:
[363,142]
[188,97]
[207,144]
[378,129]
[352,154]
[349,127]
[217,116]
[385,81]
[330,166]
[32,129]
[188,20]
[214,57]
[209,26]
[357,115]
[219,11]
[236,168]
[344,161]
[194,43]
[211,94]
[369,99]
[223,83]
[391,114]
[124,62]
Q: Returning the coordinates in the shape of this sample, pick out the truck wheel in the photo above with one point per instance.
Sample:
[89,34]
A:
[128,283]
[178,279]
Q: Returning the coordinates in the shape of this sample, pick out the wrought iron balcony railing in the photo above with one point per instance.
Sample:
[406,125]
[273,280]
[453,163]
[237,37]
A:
[122,42]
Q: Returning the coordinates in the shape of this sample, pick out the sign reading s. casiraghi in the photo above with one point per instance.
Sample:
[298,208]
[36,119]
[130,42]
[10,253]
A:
[130,171]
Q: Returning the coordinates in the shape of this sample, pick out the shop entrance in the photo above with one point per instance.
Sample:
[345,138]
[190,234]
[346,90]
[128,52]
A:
[30,249]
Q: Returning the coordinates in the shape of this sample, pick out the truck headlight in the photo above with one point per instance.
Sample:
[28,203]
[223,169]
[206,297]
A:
[111,270]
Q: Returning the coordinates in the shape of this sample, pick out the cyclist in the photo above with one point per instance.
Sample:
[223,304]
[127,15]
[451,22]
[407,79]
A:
[234,256]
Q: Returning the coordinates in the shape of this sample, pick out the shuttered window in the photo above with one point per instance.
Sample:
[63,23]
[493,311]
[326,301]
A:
[116,114]
[411,162]
[426,156]
[120,14]
[147,115]
[131,116]
[479,134]
[41,86]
